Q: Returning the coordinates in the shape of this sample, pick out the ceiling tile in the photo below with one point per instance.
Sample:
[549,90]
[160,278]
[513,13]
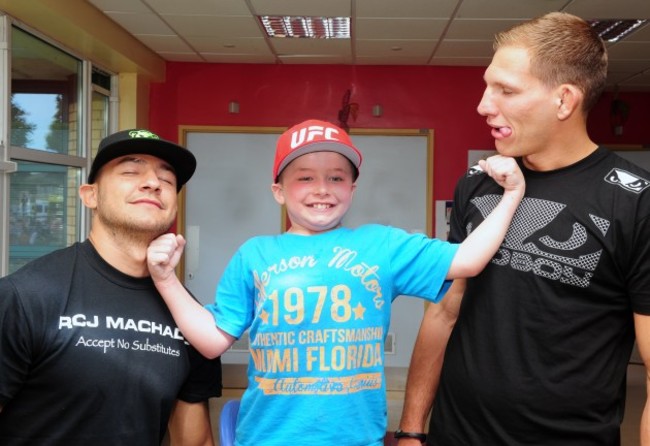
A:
[230,45]
[630,50]
[214,26]
[464,48]
[315,8]
[628,66]
[616,76]
[238,58]
[641,82]
[137,23]
[406,8]
[209,7]
[329,60]
[120,6]
[610,9]
[387,48]
[399,28]
[461,61]
[317,47]
[478,29]
[494,9]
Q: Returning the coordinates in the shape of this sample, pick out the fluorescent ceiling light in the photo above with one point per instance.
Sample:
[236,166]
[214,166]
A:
[306,27]
[613,30]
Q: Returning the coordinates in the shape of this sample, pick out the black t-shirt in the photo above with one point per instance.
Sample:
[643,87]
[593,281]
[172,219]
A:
[91,356]
[539,353]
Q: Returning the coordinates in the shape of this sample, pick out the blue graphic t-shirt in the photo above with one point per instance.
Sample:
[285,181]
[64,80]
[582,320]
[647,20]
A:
[318,309]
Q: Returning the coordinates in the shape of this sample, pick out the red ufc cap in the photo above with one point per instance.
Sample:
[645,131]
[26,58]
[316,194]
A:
[313,136]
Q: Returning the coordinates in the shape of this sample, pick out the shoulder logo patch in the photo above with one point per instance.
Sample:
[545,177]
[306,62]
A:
[627,180]
[474,170]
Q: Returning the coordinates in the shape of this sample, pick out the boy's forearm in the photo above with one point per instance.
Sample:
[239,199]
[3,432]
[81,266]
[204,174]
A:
[483,242]
[195,322]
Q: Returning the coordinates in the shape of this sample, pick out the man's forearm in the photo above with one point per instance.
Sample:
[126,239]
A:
[645,417]
[189,425]
[642,331]
[426,361]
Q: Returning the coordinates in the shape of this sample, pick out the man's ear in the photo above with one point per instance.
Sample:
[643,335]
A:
[569,101]
[278,193]
[88,195]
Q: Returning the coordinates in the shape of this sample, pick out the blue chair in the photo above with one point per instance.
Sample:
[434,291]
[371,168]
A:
[227,423]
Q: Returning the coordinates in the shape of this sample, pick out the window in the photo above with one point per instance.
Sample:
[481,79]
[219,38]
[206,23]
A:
[45,93]
[44,210]
[53,133]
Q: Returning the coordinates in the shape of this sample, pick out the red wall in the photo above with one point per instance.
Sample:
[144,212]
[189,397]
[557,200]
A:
[440,98]
[636,129]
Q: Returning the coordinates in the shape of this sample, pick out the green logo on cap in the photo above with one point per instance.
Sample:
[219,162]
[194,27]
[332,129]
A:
[143,134]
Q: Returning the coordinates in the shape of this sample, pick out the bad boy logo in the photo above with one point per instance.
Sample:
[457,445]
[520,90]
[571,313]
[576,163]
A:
[310,133]
[474,170]
[143,134]
[627,180]
[531,244]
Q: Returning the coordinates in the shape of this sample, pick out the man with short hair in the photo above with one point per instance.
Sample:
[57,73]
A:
[535,349]
[89,353]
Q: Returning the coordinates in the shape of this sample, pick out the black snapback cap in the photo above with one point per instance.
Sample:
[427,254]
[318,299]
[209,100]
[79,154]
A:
[143,141]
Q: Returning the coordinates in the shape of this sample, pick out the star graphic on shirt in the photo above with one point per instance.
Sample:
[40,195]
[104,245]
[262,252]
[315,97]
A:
[358,311]
[264,316]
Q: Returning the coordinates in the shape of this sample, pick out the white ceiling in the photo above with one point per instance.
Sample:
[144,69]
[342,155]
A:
[384,32]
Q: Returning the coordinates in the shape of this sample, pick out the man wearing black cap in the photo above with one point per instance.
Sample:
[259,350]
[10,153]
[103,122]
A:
[89,353]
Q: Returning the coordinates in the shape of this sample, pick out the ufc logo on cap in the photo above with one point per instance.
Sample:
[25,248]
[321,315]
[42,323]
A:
[313,132]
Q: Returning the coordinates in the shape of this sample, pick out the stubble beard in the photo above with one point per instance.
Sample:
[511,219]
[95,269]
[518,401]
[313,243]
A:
[133,231]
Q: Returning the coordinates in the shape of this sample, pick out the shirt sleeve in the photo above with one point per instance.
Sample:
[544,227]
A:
[420,264]
[233,308]
[457,227]
[638,278]
[204,381]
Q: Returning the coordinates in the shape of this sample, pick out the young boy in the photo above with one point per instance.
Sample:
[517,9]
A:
[316,300]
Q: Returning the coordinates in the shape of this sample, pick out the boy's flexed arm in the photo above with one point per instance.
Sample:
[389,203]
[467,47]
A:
[480,246]
[195,322]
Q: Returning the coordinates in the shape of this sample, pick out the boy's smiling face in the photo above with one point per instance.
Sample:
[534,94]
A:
[317,190]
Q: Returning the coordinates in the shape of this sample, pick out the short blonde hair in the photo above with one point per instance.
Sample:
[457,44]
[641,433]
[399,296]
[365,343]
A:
[564,49]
